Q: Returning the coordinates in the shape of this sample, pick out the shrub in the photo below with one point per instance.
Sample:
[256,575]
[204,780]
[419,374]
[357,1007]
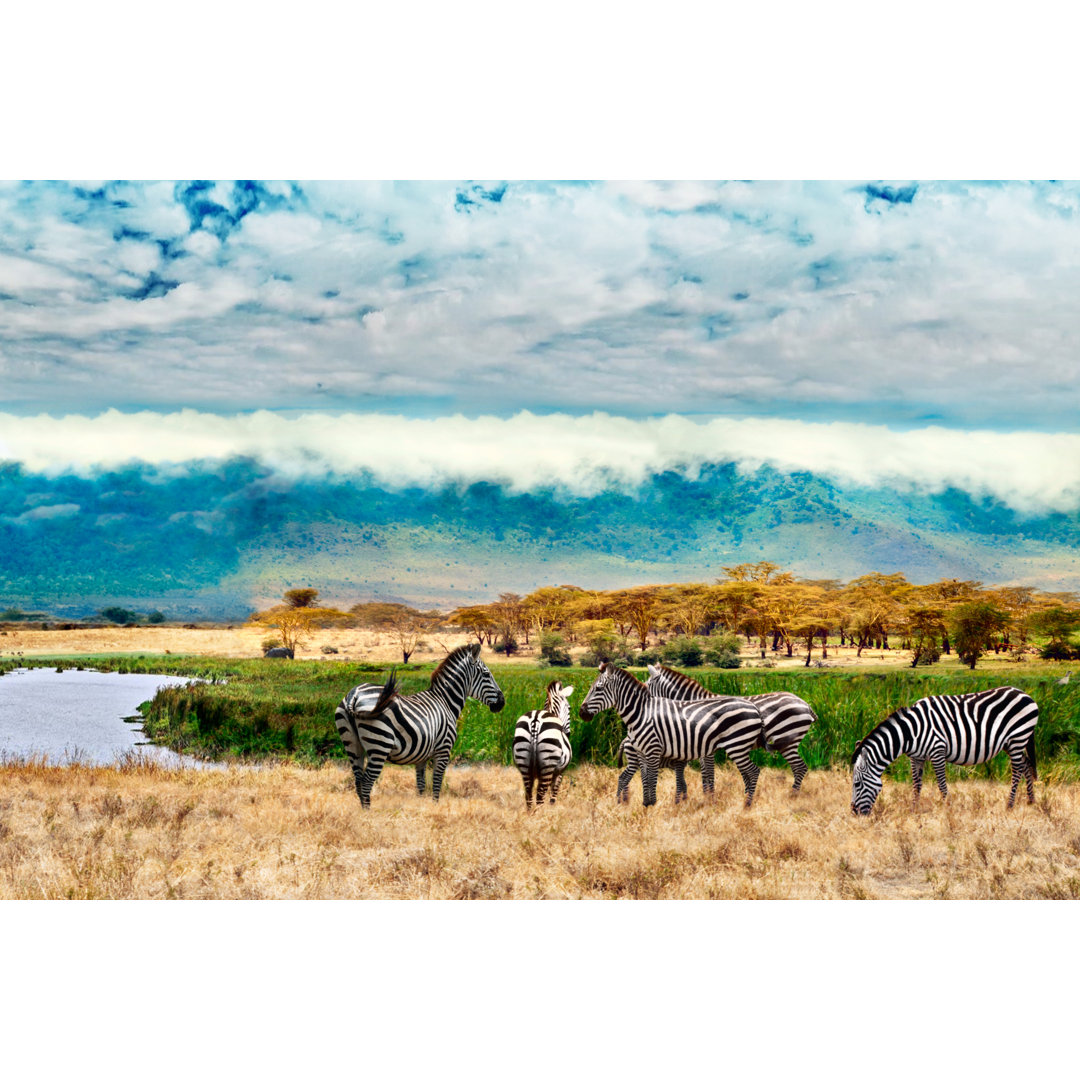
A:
[646,657]
[507,646]
[1059,650]
[118,614]
[155,617]
[684,651]
[606,647]
[551,651]
[271,641]
[329,650]
[723,651]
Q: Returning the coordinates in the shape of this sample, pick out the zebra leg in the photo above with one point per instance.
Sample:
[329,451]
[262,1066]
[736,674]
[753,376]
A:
[917,767]
[622,790]
[438,767]
[750,773]
[542,786]
[797,763]
[680,783]
[421,777]
[527,780]
[367,781]
[939,772]
[556,780]
[1018,760]
[708,774]
[649,773]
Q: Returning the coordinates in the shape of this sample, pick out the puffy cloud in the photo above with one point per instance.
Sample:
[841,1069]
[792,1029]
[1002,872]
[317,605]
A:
[1029,471]
[886,300]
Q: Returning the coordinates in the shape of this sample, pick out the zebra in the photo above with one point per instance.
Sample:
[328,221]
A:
[629,757]
[659,728]
[965,729]
[786,718]
[413,729]
[542,744]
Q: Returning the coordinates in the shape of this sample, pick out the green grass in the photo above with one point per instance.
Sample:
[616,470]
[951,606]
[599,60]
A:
[257,709]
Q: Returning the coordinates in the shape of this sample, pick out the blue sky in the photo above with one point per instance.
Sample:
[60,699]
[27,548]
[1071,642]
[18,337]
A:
[905,303]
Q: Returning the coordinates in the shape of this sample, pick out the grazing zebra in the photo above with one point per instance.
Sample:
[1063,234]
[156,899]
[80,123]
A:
[659,728]
[413,729]
[965,729]
[785,717]
[632,760]
[542,744]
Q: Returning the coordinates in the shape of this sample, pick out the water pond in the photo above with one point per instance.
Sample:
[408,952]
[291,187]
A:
[80,716]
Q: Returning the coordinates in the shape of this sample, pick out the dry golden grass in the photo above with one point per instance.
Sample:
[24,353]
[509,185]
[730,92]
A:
[370,646]
[282,831]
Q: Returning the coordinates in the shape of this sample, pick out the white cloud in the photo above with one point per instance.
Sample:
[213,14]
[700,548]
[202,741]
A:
[1031,472]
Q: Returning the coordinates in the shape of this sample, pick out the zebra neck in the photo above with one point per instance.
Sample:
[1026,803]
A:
[890,739]
[631,706]
[451,687]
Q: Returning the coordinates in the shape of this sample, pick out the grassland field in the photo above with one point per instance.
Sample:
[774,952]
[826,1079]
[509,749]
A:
[293,827]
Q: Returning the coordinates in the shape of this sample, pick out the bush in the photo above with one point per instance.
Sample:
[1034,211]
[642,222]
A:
[272,641]
[551,651]
[684,651]
[723,651]
[1059,650]
[155,617]
[329,650]
[647,656]
[606,647]
[119,615]
[590,659]
[507,646]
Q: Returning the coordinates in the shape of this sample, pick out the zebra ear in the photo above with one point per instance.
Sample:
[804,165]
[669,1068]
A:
[566,691]
[653,670]
[475,649]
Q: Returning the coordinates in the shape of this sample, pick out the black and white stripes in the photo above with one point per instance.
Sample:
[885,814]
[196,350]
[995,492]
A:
[785,717]
[542,744]
[413,728]
[964,729]
[659,728]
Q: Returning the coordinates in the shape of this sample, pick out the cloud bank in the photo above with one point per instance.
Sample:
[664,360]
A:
[1032,472]
[898,302]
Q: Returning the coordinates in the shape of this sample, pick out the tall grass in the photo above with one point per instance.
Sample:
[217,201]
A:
[285,709]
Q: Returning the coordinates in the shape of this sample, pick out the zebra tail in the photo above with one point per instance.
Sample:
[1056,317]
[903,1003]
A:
[1031,754]
[389,692]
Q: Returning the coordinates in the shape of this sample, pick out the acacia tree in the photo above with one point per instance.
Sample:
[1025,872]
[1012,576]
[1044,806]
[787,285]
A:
[295,624]
[973,627]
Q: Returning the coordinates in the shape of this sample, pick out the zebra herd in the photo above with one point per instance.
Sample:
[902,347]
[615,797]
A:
[672,720]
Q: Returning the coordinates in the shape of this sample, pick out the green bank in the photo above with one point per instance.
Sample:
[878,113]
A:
[264,709]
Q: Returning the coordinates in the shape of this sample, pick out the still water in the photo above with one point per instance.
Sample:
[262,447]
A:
[72,715]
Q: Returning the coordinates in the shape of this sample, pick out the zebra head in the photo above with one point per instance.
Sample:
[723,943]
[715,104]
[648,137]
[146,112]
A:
[601,694]
[558,703]
[481,683]
[865,782]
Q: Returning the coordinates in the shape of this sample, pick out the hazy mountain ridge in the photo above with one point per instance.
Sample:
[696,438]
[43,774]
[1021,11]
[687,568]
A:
[218,538]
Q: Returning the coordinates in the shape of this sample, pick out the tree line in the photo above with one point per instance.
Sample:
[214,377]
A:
[765,605]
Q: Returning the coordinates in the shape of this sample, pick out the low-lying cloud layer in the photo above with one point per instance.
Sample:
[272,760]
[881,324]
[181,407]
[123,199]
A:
[1031,472]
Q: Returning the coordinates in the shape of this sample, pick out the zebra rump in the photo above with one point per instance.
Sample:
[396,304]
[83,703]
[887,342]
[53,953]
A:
[542,744]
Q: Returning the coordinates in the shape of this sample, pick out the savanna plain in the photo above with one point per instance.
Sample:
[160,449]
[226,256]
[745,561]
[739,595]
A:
[288,832]
[291,826]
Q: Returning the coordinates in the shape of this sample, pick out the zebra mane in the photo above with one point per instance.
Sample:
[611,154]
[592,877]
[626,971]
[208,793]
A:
[625,675]
[453,660]
[871,733]
[679,677]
